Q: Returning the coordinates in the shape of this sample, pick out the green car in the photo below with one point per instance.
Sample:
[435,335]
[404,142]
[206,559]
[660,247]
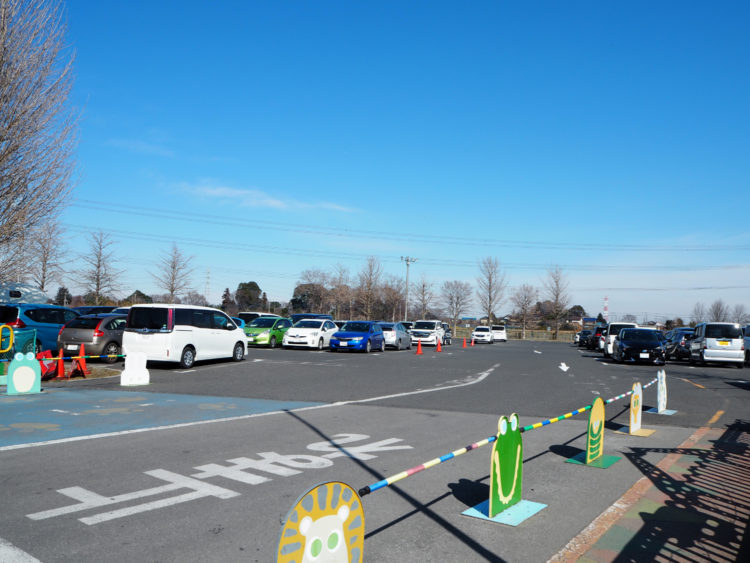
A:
[267,331]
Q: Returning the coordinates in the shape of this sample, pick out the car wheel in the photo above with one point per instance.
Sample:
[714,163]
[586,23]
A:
[239,352]
[368,347]
[320,344]
[741,365]
[111,349]
[187,358]
[382,346]
[38,347]
[272,342]
[408,346]
[398,344]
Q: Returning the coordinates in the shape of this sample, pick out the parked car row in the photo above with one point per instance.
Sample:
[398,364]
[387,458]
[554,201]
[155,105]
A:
[712,342]
[489,334]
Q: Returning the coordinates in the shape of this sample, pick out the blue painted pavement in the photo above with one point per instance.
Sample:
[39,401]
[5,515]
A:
[64,413]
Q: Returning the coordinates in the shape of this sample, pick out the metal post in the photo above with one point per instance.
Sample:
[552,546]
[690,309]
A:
[408,260]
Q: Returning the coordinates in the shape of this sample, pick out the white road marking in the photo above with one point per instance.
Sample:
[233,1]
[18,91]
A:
[479,378]
[564,367]
[11,554]
[537,352]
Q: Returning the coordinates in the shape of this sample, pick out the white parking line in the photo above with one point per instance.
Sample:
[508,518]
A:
[468,381]
[11,554]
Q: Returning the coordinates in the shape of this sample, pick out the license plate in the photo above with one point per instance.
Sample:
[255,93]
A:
[723,343]
[71,347]
[644,355]
[343,344]
[250,338]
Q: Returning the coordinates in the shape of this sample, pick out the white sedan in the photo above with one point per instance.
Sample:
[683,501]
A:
[309,333]
[482,334]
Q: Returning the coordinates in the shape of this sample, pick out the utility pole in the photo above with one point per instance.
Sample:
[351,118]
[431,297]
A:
[408,260]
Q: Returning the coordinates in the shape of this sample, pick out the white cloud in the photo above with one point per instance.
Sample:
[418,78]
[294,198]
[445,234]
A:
[259,198]
[141,147]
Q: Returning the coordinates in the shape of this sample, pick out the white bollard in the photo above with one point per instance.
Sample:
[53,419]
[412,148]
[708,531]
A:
[135,372]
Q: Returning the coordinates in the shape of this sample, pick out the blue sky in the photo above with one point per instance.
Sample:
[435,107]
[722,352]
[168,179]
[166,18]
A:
[266,138]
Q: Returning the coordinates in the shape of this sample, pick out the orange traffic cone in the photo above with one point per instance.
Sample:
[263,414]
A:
[472,341]
[60,366]
[79,364]
[438,348]
[464,342]
[419,347]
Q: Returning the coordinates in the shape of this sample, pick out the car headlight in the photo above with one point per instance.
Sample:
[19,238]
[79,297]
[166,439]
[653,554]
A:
[265,333]
[315,333]
[357,339]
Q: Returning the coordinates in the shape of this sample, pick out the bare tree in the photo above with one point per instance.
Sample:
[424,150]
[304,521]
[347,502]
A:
[195,298]
[491,286]
[699,314]
[456,299]
[718,312]
[101,275]
[174,271]
[392,293]
[423,295]
[369,285]
[740,315]
[37,130]
[556,288]
[524,299]
[316,283]
[45,249]
[341,290]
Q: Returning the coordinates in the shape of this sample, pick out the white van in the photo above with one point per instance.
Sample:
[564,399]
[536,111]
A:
[182,333]
[717,342]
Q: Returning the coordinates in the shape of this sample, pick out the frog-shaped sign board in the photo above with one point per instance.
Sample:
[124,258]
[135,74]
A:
[506,479]
[326,524]
[594,454]
[24,374]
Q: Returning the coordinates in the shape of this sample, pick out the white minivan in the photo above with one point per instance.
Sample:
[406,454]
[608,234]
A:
[182,333]
[717,342]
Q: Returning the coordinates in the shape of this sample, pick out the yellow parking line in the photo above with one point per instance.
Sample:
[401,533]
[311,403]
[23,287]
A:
[693,383]
[715,417]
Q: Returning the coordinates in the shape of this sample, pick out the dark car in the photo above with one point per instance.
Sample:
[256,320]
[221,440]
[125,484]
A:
[358,335]
[592,342]
[677,343]
[100,335]
[94,309]
[583,338]
[408,325]
[638,345]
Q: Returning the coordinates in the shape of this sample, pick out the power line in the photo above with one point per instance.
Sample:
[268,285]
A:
[257,223]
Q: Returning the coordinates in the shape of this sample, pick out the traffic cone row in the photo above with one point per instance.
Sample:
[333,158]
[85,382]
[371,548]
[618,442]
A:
[78,367]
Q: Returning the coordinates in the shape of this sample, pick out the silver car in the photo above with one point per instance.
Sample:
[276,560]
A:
[100,335]
[396,336]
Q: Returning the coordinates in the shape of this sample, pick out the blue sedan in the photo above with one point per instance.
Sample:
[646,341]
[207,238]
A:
[358,335]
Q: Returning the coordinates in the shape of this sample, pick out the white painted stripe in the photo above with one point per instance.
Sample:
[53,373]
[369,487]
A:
[479,378]
[9,553]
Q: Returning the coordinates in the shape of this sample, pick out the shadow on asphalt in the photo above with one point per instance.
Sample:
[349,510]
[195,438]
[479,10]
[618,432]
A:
[706,502]
[419,507]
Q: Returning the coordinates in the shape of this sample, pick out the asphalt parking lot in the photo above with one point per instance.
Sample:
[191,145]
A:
[203,464]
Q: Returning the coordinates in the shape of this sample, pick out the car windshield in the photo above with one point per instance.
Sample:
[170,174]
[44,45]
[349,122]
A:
[263,322]
[723,331]
[482,329]
[149,318]
[84,322]
[308,324]
[357,327]
[386,328]
[498,327]
[640,335]
[424,325]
